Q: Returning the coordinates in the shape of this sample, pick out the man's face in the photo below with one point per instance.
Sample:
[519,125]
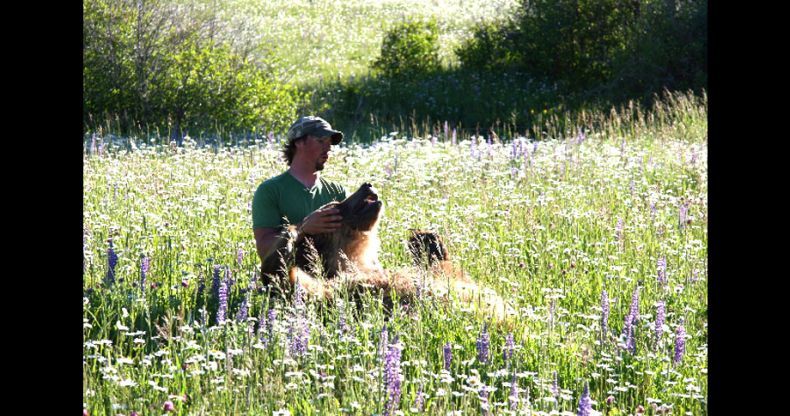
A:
[316,149]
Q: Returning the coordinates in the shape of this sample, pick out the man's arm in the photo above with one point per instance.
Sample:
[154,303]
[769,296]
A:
[270,240]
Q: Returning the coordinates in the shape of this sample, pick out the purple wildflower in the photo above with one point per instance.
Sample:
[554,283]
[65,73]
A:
[216,281]
[300,336]
[510,345]
[633,313]
[609,400]
[145,264]
[392,377]
[662,270]
[680,343]
[239,256]
[383,342]
[168,406]
[630,342]
[241,316]
[112,260]
[482,344]
[585,405]
[604,312]
[223,302]
[446,129]
[682,216]
[484,393]
[555,388]
[659,320]
[513,398]
[419,401]
[448,355]
[618,230]
[453,138]
[581,137]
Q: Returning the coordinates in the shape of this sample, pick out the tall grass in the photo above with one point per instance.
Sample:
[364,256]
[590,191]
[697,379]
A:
[548,224]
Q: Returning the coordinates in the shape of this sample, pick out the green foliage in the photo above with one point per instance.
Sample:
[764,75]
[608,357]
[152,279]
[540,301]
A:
[409,49]
[154,64]
[623,49]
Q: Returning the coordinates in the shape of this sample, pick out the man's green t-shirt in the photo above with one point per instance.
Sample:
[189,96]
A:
[284,200]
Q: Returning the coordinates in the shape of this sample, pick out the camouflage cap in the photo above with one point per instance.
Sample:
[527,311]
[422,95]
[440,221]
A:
[315,126]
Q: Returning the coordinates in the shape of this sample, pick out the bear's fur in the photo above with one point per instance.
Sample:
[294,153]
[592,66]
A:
[347,259]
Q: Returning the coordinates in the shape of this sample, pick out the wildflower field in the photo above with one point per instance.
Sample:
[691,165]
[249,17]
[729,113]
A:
[597,237]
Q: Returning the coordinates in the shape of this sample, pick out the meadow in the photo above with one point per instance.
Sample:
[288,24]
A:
[597,236]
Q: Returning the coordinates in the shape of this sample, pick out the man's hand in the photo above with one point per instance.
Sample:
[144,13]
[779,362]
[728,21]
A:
[321,221]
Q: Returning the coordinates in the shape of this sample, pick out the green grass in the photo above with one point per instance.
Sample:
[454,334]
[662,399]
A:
[539,228]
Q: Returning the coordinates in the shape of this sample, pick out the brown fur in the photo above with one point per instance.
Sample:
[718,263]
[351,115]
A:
[347,259]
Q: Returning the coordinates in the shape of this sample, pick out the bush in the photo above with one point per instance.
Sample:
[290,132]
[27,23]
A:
[154,64]
[409,49]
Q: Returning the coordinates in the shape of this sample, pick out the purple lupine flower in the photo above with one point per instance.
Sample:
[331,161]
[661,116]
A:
[510,346]
[266,327]
[239,256]
[482,344]
[585,404]
[448,355]
[145,264]
[555,387]
[383,342]
[659,320]
[446,130]
[419,401]
[604,311]
[484,393]
[112,261]
[682,215]
[392,377]
[216,281]
[513,397]
[241,316]
[618,230]
[223,302]
[453,138]
[581,137]
[680,343]
[342,324]
[633,313]
[630,342]
[300,336]
[662,270]
[551,313]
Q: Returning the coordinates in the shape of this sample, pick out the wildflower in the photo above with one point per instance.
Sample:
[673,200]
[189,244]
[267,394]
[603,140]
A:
[215,281]
[682,216]
[662,270]
[383,342]
[555,388]
[168,406]
[680,343]
[145,264]
[448,355]
[509,346]
[241,316]
[482,344]
[513,398]
[585,406]
[223,302]
[609,400]
[419,401]
[392,377]
[659,320]
[112,260]
[618,229]
[239,256]
[640,409]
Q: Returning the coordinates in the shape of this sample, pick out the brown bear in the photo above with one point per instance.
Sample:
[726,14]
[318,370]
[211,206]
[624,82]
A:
[347,259]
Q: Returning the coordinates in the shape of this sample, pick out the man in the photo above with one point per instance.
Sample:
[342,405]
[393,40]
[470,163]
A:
[295,196]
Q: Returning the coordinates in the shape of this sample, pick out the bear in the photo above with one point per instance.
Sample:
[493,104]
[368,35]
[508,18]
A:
[347,259]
